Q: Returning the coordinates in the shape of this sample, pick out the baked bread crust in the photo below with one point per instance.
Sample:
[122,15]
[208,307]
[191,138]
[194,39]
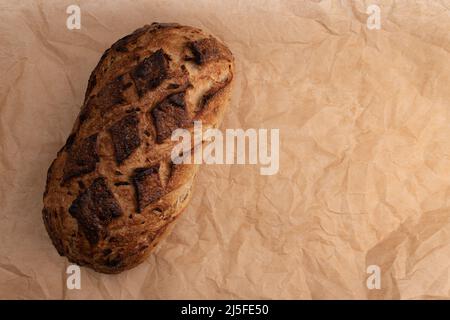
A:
[112,192]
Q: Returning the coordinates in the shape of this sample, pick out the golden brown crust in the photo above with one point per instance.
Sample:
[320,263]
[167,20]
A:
[112,191]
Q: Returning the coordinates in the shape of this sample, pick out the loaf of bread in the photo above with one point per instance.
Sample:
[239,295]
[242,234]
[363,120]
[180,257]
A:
[113,192]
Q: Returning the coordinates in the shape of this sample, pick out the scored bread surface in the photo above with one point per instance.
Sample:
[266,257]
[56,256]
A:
[112,192]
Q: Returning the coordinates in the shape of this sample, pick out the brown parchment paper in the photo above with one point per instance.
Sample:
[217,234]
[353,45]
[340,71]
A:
[364,173]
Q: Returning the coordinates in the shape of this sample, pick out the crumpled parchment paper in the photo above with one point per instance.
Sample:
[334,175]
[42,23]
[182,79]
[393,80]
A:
[364,173]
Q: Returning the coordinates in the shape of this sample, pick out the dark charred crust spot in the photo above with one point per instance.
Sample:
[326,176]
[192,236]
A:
[121,48]
[117,173]
[177,99]
[82,158]
[121,183]
[81,184]
[162,25]
[151,72]
[168,57]
[169,115]
[173,86]
[47,217]
[125,137]
[147,133]
[70,140]
[133,110]
[94,209]
[112,93]
[112,239]
[205,50]
[106,252]
[114,262]
[110,96]
[84,114]
[148,186]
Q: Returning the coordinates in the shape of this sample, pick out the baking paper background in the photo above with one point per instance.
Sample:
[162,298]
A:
[364,151]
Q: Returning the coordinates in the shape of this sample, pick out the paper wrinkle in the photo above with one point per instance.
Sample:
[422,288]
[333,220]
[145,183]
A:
[364,158]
